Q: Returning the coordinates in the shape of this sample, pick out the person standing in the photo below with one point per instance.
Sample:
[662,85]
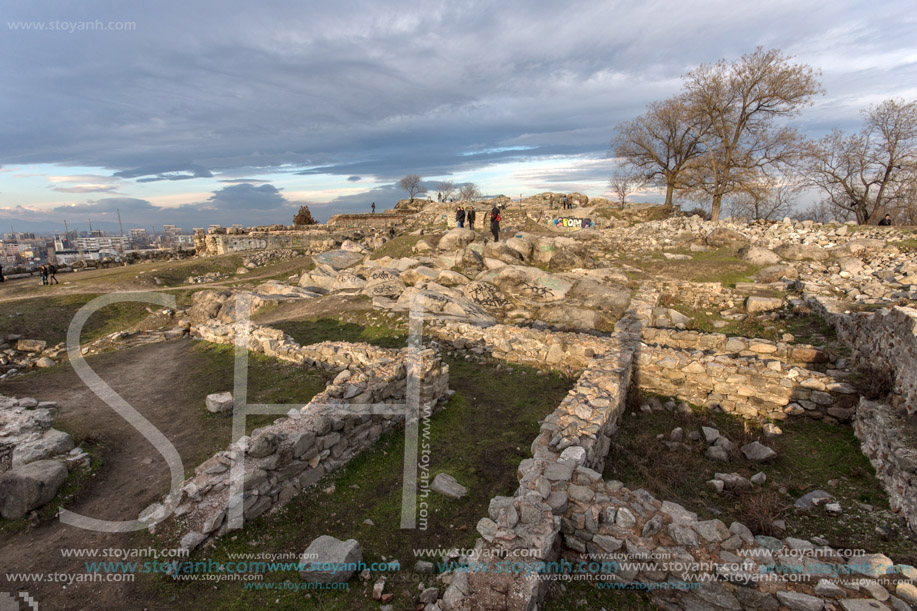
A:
[43,272]
[886,221]
[471,217]
[460,217]
[495,219]
[374,207]
[52,271]
[1,273]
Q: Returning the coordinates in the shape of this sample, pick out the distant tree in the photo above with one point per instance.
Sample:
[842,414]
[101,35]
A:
[873,172]
[625,181]
[469,192]
[303,217]
[768,200]
[738,104]
[824,212]
[413,185]
[446,188]
[662,143]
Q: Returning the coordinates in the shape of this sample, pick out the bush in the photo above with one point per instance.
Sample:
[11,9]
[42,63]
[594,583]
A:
[304,217]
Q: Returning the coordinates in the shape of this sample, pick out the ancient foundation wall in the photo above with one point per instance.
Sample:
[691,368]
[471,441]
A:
[797,354]
[225,244]
[277,462]
[746,386]
[375,221]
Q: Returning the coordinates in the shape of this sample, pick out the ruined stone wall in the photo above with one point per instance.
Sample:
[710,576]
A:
[798,354]
[891,452]
[750,387]
[375,221]
[886,339]
[317,240]
[277,462]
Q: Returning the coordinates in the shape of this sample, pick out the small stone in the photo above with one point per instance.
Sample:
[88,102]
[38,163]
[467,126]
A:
[757,452]
[447,485]
[710,434]
[758,478]
[829,589]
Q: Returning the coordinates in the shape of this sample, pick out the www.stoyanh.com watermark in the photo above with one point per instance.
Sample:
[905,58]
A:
[70,27]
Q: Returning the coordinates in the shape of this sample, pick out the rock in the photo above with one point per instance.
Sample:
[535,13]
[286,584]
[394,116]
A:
[219,402]
[456,239]
[717,453]
[829,589]
[191,540]
[30,486]
[753,305]
[31,345]
[710,434]
[446,485]
[813,499]
[343,555]
[51,443]
[262,446]
[757,255]
[774,273]
[45,362]
[802,252]
[758,478]
[677,434]
[871,565]
[861,604]
[906,592]
[797,601]
[337,259]
[757,452]
[423,567]
[713,531]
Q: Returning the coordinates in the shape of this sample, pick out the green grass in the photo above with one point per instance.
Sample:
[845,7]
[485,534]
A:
[482,434]
[586,595]
[397,248]
[49,317]
[383,333]
[812,455]
[721,266]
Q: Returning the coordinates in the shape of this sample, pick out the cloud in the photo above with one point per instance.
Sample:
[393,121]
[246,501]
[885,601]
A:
[353,179]
[86,189]
[383,90]
[108,205]
[253,181]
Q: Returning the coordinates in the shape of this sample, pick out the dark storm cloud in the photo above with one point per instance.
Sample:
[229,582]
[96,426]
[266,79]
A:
[383,89]
[353,179]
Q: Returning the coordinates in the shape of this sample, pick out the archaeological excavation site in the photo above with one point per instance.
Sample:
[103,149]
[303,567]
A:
[610,407]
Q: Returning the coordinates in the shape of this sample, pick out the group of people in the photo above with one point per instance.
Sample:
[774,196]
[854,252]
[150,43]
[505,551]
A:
[566,204]
[48,274]
[463,215]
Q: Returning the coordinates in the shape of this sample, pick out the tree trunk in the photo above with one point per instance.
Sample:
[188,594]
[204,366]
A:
[669,194]
[715,211]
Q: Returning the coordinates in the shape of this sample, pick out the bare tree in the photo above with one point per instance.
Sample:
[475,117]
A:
[469,192]
[446,188]
[413,185]
[768,200]
[625,181]
[823,212]
[873,172]
[662,143]
[739,102]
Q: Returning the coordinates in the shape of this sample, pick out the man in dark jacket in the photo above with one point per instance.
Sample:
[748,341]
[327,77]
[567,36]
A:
[460,217]
[887,221]
[470,216]
[495,219]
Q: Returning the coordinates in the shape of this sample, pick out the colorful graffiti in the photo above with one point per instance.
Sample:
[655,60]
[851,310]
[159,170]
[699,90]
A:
[573,223]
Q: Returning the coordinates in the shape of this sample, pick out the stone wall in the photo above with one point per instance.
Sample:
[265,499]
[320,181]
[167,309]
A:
[312,240]
[886,339]
[527,525]
[750,387]
[798,354]
[279,461]
[884,440]
[377,221]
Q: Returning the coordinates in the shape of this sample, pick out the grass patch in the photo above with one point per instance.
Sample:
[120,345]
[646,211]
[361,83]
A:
[480,437]
[811,455]
[48,318]
[372,328]
[587,595]
[721,266]
[397,248]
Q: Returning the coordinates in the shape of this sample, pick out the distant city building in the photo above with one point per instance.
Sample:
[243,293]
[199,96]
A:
[115,244]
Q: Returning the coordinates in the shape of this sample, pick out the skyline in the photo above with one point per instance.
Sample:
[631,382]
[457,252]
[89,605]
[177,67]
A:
[229,113]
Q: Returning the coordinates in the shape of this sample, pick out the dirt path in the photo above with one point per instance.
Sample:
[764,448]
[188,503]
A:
[160,381]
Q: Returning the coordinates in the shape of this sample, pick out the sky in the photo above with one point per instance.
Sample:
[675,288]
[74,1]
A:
[193,113]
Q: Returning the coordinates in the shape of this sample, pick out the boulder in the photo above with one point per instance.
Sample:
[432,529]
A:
[773,273]
[501,251]
[219,402]
[45,362]
[447,277]
[757,452]
[570,317]
[30,486]
[348,283]
[753,305]
[31,345]
[559,253]
[456,239]
[757,255]
[522,245]
[330,560]
[51,443]
[206,305]
[802,252]
[447,485]
[337,259]
[813,499]
[722,237]
[485,294]
[595,295]
[531,283]
[852,265]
